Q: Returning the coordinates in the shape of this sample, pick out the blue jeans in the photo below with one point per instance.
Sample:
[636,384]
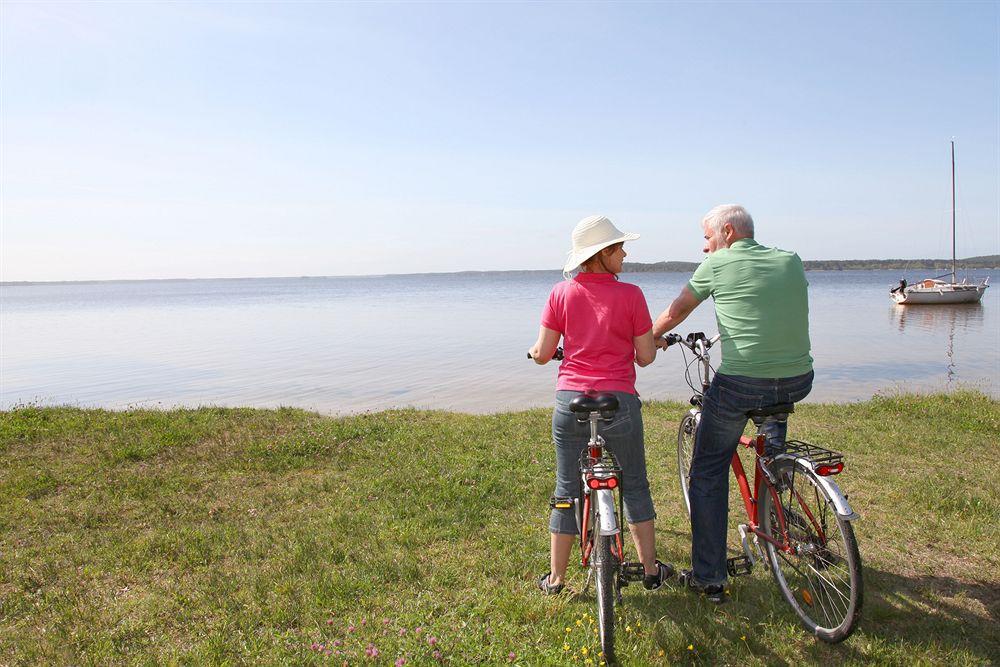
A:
[723,418]
[623,436]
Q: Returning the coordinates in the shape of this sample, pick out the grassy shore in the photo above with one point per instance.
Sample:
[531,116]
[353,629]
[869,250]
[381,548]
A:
[276,536]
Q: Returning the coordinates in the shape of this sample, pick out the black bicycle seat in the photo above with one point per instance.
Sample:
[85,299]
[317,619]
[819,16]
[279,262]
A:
[606,404]
[781,409]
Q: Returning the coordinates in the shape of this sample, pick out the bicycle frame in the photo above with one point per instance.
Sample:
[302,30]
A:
[761,480]
[599,476]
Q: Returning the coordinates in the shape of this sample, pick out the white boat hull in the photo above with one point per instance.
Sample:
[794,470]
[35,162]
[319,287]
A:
[941,293]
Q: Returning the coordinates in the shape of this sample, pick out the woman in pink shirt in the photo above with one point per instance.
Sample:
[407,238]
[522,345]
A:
[606,330]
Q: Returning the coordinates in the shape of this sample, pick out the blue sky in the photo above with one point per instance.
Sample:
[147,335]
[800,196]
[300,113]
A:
[208,140]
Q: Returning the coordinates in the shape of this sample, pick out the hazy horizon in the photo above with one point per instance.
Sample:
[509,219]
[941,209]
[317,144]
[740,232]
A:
[468,271]
[204,140]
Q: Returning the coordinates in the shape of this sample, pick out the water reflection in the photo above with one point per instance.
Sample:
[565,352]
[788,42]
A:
[937,317]
[940,319]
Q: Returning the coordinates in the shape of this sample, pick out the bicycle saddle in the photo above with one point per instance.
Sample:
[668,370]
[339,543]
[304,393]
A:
[759,414]
[606,404]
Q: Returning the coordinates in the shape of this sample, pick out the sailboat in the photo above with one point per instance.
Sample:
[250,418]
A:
[935,290]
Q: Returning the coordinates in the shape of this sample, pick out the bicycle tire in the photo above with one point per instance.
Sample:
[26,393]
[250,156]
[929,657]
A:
[685,452]
[607,576]
[822,582]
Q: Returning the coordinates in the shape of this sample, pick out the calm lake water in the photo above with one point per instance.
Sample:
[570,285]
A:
[452,341]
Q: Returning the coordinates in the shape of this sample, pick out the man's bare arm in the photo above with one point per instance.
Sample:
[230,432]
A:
[676,313]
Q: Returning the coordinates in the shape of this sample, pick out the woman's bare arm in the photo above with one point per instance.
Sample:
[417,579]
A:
[545,346]
[645,349]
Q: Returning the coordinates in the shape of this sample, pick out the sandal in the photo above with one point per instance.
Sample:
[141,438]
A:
[546,588]
[653,581]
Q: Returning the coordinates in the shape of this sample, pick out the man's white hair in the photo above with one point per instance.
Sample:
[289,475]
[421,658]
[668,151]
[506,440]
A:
[737,216]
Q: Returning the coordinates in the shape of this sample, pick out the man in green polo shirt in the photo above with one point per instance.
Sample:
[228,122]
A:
[762,309]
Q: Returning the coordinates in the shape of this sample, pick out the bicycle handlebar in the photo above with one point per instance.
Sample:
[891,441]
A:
[691,340]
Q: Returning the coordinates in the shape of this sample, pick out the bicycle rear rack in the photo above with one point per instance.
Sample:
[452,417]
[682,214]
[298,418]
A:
[818,455]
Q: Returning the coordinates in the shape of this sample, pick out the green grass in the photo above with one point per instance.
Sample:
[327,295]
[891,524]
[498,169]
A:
[247,536]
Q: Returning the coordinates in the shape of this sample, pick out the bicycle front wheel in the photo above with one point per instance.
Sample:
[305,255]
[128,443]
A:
[685,451]
[820,572]
[607,574]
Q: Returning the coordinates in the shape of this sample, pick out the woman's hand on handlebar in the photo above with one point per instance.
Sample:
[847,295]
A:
[666,340]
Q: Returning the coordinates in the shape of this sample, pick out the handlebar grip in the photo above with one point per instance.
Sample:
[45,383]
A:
[672,339]
[557,355]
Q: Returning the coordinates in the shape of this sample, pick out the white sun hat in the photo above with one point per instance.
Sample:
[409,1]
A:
[590,236]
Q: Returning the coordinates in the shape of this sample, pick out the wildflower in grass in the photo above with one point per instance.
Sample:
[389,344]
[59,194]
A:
[661,652]
[400,662]
[371,651]
[314,646]
[512,656]
[583,650]
[432,641]
[568,630]
[628,628]
[337,642]
[579,622]
[364,621]
[743,637]
[436,655]
[351,628]
[385,621]
[418,630]
[690,647]
[402,631]
[565,647]
[329,621]
[327,652]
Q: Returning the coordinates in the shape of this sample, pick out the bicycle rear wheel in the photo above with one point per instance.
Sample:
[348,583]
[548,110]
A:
[685,451]
[607,577]
[821,578]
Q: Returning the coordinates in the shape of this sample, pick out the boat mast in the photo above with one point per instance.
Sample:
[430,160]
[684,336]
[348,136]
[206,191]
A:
[953,211]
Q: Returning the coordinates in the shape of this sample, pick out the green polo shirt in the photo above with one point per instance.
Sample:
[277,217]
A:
[762,307]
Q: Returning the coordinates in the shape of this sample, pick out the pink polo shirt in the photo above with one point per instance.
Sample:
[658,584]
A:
[598,317]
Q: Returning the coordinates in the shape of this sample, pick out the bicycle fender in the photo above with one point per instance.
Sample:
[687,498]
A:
[606,516]
[840,504]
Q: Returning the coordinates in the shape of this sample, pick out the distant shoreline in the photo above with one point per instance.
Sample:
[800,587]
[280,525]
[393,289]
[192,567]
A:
[980,262]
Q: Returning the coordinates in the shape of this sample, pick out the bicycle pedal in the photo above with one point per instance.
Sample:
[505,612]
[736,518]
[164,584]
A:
[738,566]
[632,572]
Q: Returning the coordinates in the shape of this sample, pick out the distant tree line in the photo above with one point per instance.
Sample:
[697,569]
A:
[981,262]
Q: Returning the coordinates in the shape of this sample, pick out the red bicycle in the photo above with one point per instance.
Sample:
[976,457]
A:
[599,511]
[798,520]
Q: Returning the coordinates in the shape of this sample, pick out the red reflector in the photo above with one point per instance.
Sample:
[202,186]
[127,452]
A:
[609,483]
[826,470]
[594,483]
[612,483]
